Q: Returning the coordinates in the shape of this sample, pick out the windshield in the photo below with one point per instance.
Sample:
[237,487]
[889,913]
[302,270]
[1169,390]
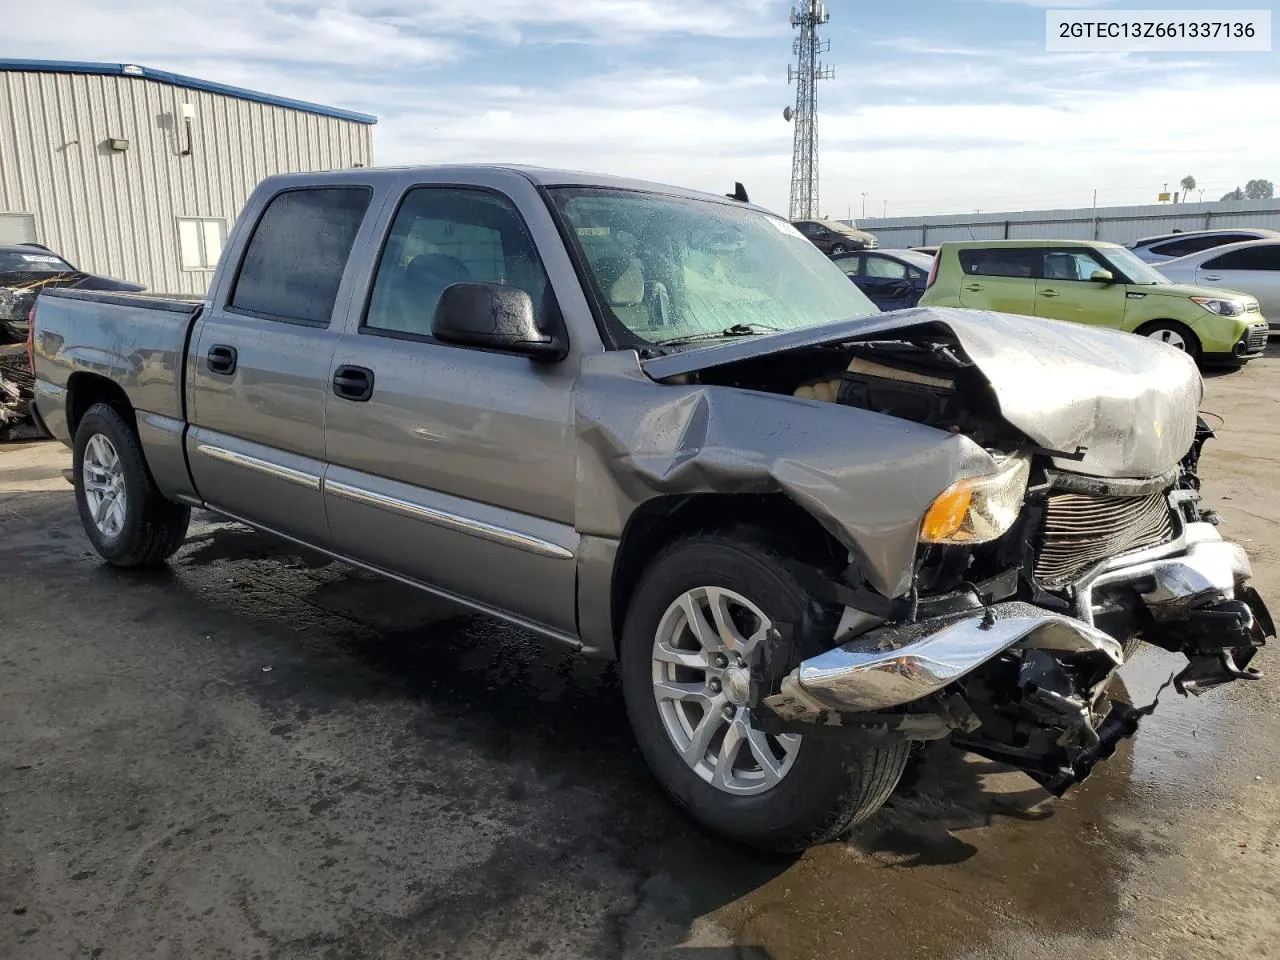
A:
[1136,270]
[34,262]
[668,268]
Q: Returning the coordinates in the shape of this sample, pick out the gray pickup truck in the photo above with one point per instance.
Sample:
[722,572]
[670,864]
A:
[660,426]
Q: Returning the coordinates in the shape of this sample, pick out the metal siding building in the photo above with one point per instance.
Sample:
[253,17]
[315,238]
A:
[1116,224]
[152,207]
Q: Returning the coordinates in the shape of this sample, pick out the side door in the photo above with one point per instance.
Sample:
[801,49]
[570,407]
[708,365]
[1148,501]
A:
[1254,270]
[258,367]
[998,278]
[456,469]
[1065,292]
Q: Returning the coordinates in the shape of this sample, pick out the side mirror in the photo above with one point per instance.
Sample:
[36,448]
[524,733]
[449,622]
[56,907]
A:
[1102,276]
[493,316]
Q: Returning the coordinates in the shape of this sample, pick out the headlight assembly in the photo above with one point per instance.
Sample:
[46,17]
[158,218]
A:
[1223,308]
[978,509]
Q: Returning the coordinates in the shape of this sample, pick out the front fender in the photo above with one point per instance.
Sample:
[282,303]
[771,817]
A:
[866,477]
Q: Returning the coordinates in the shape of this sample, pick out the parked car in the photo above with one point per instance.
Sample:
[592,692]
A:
[834,238]
[1170,246]
[1101,284]
[660,426]
[28,268]
[891,279]
[1252,267]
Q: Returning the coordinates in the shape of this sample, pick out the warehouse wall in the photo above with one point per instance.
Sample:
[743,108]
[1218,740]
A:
[116,212]
[1113,224]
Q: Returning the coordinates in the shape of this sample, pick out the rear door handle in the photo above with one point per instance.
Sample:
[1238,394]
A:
[975,287]
[353,383]
[221,359]
[1048,293]
[1212,276]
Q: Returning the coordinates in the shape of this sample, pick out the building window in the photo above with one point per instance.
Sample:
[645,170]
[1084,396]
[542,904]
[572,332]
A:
[200,241]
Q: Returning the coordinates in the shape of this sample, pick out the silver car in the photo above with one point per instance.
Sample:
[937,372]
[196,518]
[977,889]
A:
[1252,268]
[1170,246]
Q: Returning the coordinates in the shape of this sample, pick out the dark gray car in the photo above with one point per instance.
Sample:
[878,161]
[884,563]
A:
[659,426]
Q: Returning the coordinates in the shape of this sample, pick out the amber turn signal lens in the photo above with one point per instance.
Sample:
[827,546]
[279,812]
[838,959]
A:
[946,516]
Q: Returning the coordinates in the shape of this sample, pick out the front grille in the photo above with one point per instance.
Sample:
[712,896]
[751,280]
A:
[1257,338]
[1081,529]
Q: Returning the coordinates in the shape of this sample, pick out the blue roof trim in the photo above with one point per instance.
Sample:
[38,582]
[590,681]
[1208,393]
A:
[146,73]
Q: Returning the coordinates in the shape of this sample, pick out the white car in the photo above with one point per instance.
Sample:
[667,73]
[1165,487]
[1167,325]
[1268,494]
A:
[1172,245]
[1251,268]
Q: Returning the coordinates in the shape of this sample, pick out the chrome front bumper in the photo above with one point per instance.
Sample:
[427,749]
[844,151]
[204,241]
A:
[892,666]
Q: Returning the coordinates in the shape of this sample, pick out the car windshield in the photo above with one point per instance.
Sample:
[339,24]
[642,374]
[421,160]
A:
[33,262]
[670,268]
[1136,270]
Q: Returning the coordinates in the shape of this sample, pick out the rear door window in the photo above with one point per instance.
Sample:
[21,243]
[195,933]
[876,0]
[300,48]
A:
[1021,263]
[294,261]
[850,265]
[1266,257]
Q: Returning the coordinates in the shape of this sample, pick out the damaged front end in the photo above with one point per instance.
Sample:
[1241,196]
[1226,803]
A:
[1014,663]
[1081,537]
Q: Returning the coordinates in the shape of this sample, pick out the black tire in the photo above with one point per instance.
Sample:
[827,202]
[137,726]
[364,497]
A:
[1172,327]
[838,249]
[832,784]
[153,527]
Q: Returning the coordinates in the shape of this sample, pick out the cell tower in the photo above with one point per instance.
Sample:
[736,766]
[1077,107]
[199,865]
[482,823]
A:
[804,154]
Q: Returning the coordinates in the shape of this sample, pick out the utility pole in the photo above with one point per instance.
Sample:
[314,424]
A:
[1095,214]
[864,204]
[808,71]
[886,209]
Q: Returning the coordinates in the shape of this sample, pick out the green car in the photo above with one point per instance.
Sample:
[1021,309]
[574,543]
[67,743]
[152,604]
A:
[1098,283]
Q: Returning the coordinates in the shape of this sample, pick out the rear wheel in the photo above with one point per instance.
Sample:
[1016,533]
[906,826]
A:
[1174,334]
[127,520]
[698,623]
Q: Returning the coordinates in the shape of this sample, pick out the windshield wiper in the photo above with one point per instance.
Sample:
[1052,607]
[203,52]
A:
[737,330]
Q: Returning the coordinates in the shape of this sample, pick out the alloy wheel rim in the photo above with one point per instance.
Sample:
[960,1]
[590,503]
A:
[104,487]
[1172,337]
[705,647]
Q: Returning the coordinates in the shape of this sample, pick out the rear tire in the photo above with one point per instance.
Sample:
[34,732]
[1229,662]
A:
[813,789]
[126,519]
[1174,334]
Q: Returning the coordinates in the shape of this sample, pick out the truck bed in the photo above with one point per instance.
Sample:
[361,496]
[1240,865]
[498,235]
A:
[136,340]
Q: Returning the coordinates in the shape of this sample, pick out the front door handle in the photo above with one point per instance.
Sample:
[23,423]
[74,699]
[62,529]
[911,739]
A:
[1212,276]
[1048,293]
[975,287]
[221,359]
[353,383]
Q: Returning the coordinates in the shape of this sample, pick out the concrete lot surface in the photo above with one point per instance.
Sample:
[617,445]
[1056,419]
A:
[259,753]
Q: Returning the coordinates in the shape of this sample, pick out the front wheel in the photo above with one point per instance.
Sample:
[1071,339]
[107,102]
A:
[838,249]
[1174,334]
[697,625]
[127,520]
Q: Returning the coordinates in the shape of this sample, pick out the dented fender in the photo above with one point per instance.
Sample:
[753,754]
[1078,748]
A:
[866,477]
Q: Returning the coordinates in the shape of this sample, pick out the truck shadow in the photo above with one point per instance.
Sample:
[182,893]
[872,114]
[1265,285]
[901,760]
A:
[502,728]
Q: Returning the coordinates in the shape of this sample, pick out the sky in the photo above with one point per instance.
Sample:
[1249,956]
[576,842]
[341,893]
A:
[936,106]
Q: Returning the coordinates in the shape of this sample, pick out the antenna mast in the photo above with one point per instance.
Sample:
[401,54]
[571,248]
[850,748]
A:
[804,153]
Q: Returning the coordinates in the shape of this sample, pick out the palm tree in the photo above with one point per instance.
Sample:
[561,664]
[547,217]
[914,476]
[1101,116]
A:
[1188,184]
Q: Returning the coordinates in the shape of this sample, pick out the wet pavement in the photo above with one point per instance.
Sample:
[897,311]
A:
[259,753]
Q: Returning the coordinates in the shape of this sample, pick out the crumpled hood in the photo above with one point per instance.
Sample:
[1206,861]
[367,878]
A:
[1129,402]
